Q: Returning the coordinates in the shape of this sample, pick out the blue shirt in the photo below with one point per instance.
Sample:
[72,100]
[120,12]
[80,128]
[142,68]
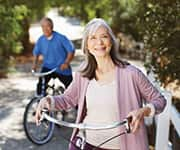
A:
[54,51]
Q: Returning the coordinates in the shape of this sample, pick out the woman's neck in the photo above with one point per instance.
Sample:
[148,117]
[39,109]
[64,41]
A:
[104,65]
[105,70]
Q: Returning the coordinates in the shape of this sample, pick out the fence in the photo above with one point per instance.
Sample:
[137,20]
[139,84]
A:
[163,120]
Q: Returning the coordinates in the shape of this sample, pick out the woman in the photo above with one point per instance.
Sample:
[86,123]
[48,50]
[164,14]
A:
[108,90]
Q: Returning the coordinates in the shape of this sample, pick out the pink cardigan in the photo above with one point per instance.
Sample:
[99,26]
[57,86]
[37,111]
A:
[132,89]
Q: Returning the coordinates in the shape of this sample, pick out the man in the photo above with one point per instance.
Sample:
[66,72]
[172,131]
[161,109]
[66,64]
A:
[57,52]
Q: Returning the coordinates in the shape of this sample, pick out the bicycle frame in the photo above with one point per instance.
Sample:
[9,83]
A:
[83,126]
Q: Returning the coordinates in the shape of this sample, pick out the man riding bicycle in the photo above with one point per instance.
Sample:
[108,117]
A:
[57,51]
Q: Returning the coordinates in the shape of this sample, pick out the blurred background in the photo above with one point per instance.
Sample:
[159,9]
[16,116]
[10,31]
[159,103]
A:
[148,32]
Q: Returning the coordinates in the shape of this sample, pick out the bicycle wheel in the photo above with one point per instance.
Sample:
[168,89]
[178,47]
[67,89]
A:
[37,134]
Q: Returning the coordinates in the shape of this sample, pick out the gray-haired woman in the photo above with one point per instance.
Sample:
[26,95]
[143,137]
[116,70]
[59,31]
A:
[108,90]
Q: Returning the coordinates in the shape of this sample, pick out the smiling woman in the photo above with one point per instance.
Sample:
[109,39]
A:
[115,87]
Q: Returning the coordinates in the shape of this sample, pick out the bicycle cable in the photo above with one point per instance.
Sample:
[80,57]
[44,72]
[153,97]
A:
[109,140]
[78,148]
[96,147]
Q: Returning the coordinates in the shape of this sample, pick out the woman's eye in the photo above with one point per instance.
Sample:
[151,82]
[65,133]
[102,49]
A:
[105,36]
[100,37]
[92,38]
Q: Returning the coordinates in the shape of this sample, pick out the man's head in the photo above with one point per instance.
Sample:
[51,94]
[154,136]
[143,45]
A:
[47,26]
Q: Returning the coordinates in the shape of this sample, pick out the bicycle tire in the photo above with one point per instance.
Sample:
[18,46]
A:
[37,134]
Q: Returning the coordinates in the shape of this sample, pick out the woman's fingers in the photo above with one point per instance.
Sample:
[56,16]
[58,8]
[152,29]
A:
[47,106]
[137,116]
[38,116]
[135,125]
[42,104]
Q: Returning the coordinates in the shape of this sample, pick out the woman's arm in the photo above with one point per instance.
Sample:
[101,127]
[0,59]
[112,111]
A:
[70,97]
[67,100]
[149,93]
[156,101]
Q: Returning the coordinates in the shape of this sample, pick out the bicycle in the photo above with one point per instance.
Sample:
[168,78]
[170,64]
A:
[83,127]
[41,134]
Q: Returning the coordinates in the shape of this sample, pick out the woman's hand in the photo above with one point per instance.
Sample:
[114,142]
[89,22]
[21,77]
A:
[44,103]
[137,117]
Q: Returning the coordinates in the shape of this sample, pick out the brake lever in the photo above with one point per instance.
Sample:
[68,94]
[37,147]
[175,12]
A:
[127,124]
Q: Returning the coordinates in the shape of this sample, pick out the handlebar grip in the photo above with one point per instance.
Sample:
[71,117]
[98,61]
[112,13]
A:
[129,119]
[128,128]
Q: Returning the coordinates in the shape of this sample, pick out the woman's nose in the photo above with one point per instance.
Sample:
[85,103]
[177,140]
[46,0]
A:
[99,40]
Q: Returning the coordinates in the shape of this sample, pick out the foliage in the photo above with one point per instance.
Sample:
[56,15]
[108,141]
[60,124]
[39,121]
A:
[158,23]
[151,21]
[10,28]
[15,19]
[154,22]
[85,10]
[119,14]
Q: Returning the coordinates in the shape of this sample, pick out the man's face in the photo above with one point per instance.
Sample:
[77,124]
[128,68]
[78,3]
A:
[46,28]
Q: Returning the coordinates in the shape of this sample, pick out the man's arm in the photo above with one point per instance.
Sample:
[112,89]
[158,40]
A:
[69,58]
[35,62]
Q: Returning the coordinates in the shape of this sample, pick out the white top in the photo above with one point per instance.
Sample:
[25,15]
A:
[102,108]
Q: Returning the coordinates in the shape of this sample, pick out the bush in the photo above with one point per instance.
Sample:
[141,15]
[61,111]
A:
[158,24]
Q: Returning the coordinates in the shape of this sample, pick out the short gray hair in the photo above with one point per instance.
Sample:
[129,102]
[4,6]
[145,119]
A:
[49,20]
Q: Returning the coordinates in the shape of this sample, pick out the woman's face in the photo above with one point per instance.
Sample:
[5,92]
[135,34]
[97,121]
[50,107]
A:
[46,28]
[99,43]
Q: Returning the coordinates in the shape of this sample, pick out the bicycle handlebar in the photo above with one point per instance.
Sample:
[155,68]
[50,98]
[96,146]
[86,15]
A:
[84,126]
[41,74]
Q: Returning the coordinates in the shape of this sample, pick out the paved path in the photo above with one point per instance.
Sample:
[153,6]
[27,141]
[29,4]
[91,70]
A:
[14,92]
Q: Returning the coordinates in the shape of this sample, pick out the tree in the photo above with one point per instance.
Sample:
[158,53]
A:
[15,19]
[119,14]
[153,22]
[10,28]
[158,24]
